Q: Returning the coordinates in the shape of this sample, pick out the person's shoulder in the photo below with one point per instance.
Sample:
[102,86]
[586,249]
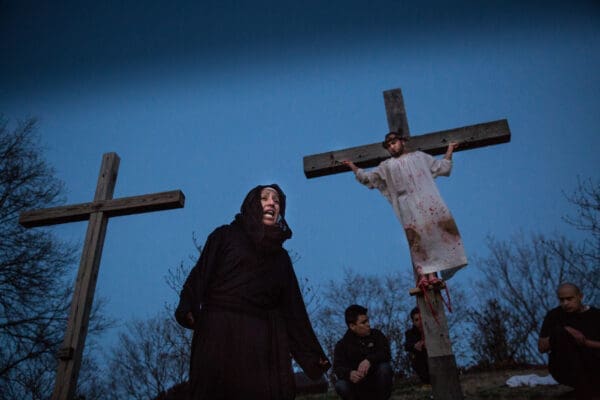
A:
[593,311]
[385,163]
[412,330]
[341,343]
[221,230]
[377,333]
[555,311]
[554,314]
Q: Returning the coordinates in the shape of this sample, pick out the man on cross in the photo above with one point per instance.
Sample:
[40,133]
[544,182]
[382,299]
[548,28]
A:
[407,182]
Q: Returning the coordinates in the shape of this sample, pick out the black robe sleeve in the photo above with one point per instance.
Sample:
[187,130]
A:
[304,345]
[194,288]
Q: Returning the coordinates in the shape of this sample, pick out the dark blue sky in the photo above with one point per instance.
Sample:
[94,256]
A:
[51,44]
[216,98]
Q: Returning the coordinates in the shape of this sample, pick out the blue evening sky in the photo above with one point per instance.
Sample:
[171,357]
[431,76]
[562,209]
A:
[214,98]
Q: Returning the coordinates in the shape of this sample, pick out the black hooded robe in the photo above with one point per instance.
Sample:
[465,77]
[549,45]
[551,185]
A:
[250,318]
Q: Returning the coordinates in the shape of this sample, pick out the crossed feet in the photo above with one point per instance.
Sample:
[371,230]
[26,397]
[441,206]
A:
[427,281]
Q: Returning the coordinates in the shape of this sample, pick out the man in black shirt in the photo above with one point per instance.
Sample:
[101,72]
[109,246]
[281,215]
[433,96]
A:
[571,333]
[362,360]
[415,346]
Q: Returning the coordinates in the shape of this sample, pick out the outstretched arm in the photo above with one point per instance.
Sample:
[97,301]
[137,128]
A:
[351,165]
[451,147]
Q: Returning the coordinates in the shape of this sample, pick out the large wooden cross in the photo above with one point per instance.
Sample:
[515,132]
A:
[97,213]
[442,363]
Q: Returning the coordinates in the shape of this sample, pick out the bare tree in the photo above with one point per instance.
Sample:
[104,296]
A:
[522,273]
[495,338]
[583,256]
[151,357]
[34,268]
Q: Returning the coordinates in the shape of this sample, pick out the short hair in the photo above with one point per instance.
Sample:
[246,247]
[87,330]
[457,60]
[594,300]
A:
[571,285]
[414,311]
[352,312]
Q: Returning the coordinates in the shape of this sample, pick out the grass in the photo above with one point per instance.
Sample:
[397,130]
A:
[484,385]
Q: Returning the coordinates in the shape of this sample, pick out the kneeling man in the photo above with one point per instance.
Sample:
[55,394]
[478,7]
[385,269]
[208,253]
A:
[362,360]
[571,334]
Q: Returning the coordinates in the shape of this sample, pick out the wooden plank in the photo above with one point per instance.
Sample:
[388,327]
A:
[443,371]
[469,137]
[111,207]
[395,111]
[85,285]
[435,328]
[443,374]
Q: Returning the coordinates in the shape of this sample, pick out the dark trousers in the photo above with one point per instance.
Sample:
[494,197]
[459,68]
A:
[573,365]
[418,360]
[376,386]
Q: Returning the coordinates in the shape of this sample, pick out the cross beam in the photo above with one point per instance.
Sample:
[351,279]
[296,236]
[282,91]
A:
[97,213]
[370,155]
[111,208]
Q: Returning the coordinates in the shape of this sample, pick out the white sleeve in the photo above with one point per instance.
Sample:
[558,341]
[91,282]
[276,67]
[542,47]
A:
[441,167]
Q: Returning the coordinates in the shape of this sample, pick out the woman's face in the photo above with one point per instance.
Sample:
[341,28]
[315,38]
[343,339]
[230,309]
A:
[269,200]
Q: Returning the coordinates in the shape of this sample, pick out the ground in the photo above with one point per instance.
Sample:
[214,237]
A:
[487,385]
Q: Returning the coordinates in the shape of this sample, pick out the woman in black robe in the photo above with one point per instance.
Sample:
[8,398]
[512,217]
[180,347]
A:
[243,301]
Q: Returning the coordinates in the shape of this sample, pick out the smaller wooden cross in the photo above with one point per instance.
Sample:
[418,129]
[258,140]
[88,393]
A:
[97,212]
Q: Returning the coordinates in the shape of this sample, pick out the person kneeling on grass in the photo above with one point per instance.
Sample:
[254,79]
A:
[571,334]
[361,360]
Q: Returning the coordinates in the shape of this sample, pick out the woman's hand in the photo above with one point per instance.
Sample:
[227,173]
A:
[189,317]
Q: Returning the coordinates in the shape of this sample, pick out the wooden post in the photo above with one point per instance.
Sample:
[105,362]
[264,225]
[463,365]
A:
[97,212]
[442,364]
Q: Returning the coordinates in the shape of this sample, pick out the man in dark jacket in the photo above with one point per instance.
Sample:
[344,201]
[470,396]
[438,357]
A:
[362,360]
[415,346]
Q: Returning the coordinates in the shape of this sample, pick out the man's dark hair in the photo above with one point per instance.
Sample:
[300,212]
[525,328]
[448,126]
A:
[352,312]
[414,311]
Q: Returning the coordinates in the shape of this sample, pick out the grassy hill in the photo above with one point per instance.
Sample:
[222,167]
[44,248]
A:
[486,385]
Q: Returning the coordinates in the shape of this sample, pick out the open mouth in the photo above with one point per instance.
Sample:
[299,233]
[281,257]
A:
[270,213]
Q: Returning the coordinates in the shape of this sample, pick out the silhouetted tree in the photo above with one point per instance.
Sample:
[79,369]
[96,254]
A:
[522,273]
[34,267]
[151,357]
[494,341]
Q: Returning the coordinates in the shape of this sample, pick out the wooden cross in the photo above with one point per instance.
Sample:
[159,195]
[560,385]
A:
[442,364]
[97,212]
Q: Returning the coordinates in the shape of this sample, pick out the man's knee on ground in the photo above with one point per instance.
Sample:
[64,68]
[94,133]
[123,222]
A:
[343,388]
[384,371]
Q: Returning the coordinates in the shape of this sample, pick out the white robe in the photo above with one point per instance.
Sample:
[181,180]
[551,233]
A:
[408,184]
